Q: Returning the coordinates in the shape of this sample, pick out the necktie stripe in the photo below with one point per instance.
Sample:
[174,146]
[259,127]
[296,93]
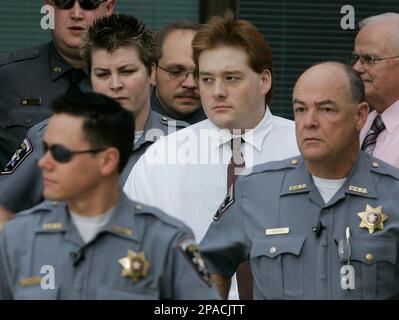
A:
[370,140]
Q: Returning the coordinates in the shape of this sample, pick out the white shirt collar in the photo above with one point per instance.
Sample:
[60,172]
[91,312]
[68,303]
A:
[254,137]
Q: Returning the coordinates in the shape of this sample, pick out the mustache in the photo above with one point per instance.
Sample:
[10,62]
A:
[187,94]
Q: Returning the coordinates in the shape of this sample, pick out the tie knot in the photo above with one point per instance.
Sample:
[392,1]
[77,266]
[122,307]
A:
[235,143]
[75,75]
[378,124]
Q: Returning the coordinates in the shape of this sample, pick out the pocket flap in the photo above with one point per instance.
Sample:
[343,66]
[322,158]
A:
[35,292]
[276,245]
[24,117]
[373,250]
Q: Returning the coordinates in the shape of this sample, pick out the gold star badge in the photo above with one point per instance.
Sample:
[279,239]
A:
[372,218]
[134,265]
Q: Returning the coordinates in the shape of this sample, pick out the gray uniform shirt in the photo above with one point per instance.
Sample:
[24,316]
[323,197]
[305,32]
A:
[30,79]
[141,253]
[21,185]
[272,222]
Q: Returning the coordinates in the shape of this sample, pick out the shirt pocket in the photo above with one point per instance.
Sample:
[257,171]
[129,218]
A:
[278,267]
[26,117]
[35,293]
[374,261]
[107,293]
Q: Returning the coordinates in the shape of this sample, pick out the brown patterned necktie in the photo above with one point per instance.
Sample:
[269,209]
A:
[236,165]
[370,140]
[237,162]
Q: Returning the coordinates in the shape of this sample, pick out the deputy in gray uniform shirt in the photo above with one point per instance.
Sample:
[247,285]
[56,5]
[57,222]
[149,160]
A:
[323,225]
[121,63]
[31,78]
[92,242]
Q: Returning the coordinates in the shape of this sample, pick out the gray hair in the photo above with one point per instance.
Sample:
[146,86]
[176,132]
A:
[379,18]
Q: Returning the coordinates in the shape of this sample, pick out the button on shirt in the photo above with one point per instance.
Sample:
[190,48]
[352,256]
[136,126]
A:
[387,146]
[185,173]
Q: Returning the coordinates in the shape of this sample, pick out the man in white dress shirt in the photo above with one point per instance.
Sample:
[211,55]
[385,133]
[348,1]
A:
[186,173]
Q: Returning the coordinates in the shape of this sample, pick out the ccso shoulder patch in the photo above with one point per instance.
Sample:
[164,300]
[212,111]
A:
[189,249]
[18,157]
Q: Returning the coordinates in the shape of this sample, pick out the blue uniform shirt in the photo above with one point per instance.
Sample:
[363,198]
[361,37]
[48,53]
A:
[279,221]
[141,253]
[30,79]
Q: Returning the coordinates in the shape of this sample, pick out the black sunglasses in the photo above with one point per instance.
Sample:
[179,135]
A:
[62,154]
[84,4]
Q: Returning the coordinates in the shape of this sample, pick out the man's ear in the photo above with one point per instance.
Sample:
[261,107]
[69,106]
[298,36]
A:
[362,111]
[266,78]
[153,74]
[110,7]
[109,161]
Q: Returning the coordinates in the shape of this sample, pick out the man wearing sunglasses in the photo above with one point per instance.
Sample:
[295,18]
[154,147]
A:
[119,51]
[176,92]
[100,244]
[376,59]
[31,78]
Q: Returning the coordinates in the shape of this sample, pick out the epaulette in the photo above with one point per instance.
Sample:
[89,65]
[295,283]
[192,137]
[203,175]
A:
[166,121]
[290,163]
[22,54]
[380,167]
[43,207]
[42,125]
[141,209]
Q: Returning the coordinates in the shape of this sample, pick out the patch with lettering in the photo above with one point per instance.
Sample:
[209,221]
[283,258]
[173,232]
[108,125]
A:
[190,250]
[227,202]
[18,157]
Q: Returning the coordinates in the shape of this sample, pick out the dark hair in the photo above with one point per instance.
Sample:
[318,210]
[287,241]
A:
[227,31]
[356,84]
[162,34]
[106,123]
[119,30]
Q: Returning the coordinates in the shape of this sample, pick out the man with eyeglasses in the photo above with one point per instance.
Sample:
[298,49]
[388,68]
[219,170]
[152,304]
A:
[176,91]
[376,59]
[31,78]
[96,243]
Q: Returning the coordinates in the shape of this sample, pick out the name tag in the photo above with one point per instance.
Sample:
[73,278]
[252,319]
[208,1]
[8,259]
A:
[31,102]
[274,231]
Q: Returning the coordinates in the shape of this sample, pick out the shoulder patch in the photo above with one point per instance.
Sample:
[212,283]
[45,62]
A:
[18,157]
[189,248]
[227,202]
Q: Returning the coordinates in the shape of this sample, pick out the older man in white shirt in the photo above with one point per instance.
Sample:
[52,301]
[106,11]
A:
[186,173]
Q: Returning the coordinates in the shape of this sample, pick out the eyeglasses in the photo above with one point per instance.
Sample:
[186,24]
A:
[181,74]
[367,59]
[84,4]
[62,154]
